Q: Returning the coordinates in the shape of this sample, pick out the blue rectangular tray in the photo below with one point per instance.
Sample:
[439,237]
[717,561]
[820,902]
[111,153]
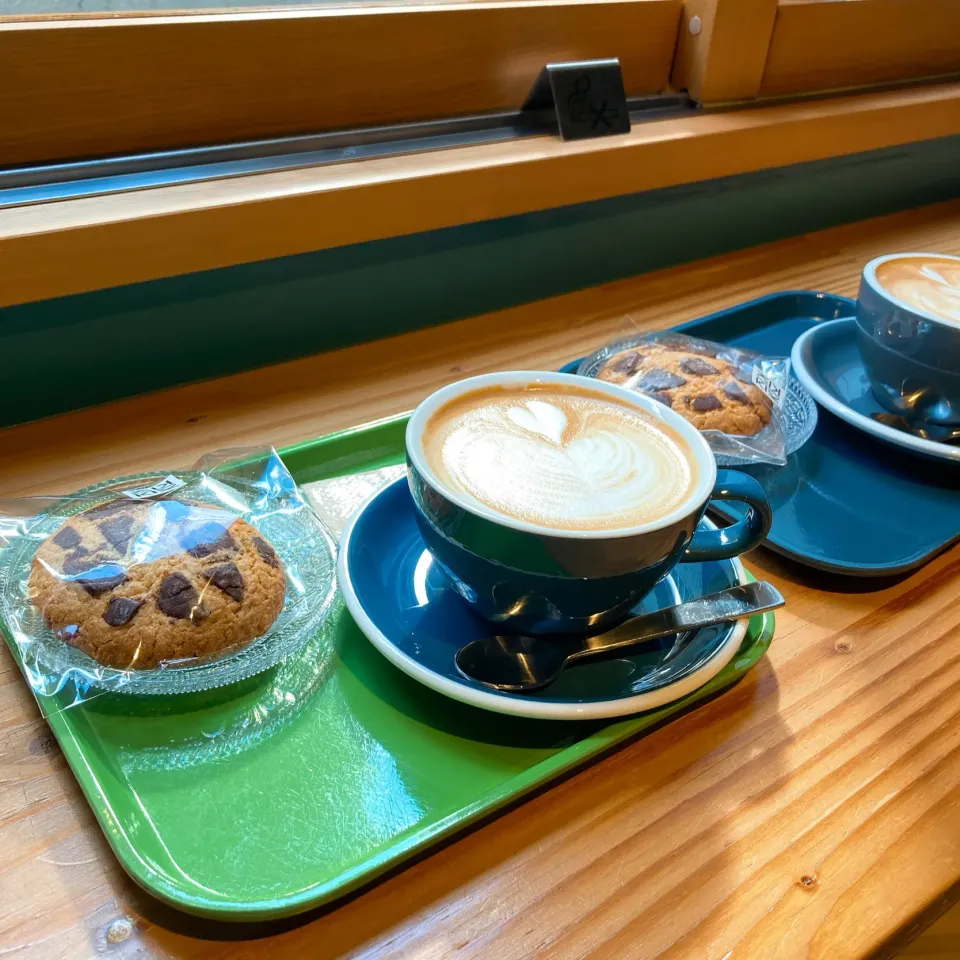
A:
[845,502]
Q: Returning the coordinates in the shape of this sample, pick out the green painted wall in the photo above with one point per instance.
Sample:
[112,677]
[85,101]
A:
[75,351]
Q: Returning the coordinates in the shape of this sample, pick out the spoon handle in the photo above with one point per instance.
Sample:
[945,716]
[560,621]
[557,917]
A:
[744,600]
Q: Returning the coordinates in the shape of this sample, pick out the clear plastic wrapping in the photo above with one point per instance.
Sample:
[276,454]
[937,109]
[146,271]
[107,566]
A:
[747,406]
[168,582]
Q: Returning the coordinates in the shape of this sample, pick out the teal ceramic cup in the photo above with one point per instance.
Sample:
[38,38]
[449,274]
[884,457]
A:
[911,355]
[537,579]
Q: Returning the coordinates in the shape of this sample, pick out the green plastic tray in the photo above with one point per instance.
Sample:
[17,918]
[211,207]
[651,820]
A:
[293,788]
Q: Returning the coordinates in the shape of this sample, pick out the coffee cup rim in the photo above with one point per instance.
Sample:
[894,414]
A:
[707,467]
[870,275]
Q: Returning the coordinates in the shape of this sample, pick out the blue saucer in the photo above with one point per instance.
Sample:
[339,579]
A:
[827,362]
[404,605]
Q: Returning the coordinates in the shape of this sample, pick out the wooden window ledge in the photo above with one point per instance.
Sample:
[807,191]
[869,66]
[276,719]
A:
[73,246]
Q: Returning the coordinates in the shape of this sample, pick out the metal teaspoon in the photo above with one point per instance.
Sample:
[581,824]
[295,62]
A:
[521,664]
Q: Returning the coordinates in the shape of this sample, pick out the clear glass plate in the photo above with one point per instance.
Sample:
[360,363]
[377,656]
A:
[304,545]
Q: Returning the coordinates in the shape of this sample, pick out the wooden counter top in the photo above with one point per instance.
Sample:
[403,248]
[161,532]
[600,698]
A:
[811,812]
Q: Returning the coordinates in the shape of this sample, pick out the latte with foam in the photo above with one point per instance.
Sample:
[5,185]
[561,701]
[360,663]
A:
[561,457]
[930,284]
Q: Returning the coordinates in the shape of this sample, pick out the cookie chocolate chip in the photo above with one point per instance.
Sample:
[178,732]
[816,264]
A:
[177,598]
[207,539]
[118,531]
[77,562]
[697,367]
[99,585]
[732,389]
[655,380]
[226,577]
[266,551]
[704,403]
[121,610]
[67,538]
[628,363]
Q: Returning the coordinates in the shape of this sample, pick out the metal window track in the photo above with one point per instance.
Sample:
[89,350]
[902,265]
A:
[85,178]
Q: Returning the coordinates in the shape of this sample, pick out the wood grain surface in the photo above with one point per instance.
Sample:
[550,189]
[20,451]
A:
[811,812]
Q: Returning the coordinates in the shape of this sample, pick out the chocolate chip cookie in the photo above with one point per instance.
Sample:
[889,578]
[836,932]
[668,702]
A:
[137,584]
[706,390]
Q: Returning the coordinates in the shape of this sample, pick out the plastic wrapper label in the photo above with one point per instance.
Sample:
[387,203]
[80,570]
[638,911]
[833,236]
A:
[772,377]
[165,583]
[161,488]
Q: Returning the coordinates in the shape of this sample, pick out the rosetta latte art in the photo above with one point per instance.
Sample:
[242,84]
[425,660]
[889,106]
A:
[560,458]
[924,283]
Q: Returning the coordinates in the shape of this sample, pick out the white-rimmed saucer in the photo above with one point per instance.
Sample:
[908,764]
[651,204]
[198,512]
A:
[826,360]
[404,605]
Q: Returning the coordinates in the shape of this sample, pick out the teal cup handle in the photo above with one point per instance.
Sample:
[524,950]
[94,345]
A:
[743,535]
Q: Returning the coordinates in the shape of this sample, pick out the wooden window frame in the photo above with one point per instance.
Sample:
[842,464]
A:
[72,246]
[92,86]
[823,45]
[163,82]
[731,51]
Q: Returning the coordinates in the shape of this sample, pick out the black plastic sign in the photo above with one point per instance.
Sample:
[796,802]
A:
[588,98]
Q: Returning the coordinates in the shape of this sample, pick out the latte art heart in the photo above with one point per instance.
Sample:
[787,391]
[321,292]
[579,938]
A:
[560,458]
[539,417]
